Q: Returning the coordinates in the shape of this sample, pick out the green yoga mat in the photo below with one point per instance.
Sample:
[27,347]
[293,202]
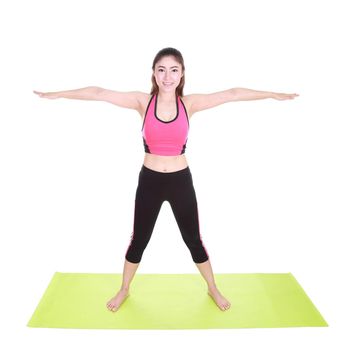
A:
[175,301]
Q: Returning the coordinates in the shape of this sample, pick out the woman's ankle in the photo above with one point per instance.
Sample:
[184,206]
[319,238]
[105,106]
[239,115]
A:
[212,288]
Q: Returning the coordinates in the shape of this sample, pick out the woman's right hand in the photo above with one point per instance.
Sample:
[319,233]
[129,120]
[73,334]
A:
[50,95]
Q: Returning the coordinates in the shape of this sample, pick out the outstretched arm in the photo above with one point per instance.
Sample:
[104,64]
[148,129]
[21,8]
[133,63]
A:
[242,94]
[200,102]
[86,93]
[122,99]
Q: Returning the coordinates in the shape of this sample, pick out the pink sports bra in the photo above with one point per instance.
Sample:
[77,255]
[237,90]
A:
[165,138]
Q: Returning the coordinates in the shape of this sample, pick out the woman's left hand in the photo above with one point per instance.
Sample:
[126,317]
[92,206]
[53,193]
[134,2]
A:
[282,96]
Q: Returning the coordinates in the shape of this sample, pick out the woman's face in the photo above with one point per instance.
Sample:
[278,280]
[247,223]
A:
[168,73]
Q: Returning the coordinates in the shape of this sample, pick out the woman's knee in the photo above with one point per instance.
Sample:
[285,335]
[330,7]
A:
[134,254]
[197,250]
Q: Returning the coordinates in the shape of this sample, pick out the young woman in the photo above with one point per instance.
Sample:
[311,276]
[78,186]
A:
[165,174]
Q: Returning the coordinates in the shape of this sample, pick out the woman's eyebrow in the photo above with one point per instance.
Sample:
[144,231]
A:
[170,67]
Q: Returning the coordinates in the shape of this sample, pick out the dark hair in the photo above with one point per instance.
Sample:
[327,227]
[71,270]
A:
[168,51]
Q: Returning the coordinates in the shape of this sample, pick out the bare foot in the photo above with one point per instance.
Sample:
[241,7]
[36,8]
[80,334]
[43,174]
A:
[114,303]
[218,298]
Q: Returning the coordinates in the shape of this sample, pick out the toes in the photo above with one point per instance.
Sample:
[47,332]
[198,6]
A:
[110,306]
[226,306]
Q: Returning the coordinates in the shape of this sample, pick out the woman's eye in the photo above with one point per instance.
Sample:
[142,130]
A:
[162,70]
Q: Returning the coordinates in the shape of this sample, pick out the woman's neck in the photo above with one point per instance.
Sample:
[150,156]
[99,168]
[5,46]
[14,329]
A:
[166,96]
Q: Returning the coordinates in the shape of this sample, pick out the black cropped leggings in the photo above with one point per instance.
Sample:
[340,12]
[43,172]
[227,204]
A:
[153,189]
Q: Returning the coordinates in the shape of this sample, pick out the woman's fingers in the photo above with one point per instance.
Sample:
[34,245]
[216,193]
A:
[40,94]
[45,94]
[281,96]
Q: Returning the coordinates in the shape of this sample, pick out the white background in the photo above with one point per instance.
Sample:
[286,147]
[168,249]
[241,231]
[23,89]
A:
[269,175]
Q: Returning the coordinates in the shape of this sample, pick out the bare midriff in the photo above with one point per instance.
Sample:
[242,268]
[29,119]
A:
[165,164]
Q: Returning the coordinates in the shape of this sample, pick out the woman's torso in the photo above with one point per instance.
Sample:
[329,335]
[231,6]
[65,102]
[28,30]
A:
[158,162]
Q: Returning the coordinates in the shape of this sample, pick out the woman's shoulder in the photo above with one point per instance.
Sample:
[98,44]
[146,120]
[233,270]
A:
[187,101]
[144,99]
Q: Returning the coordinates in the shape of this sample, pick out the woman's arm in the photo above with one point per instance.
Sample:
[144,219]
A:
[199,102]
[86,93]
[122,99]
[242,94]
